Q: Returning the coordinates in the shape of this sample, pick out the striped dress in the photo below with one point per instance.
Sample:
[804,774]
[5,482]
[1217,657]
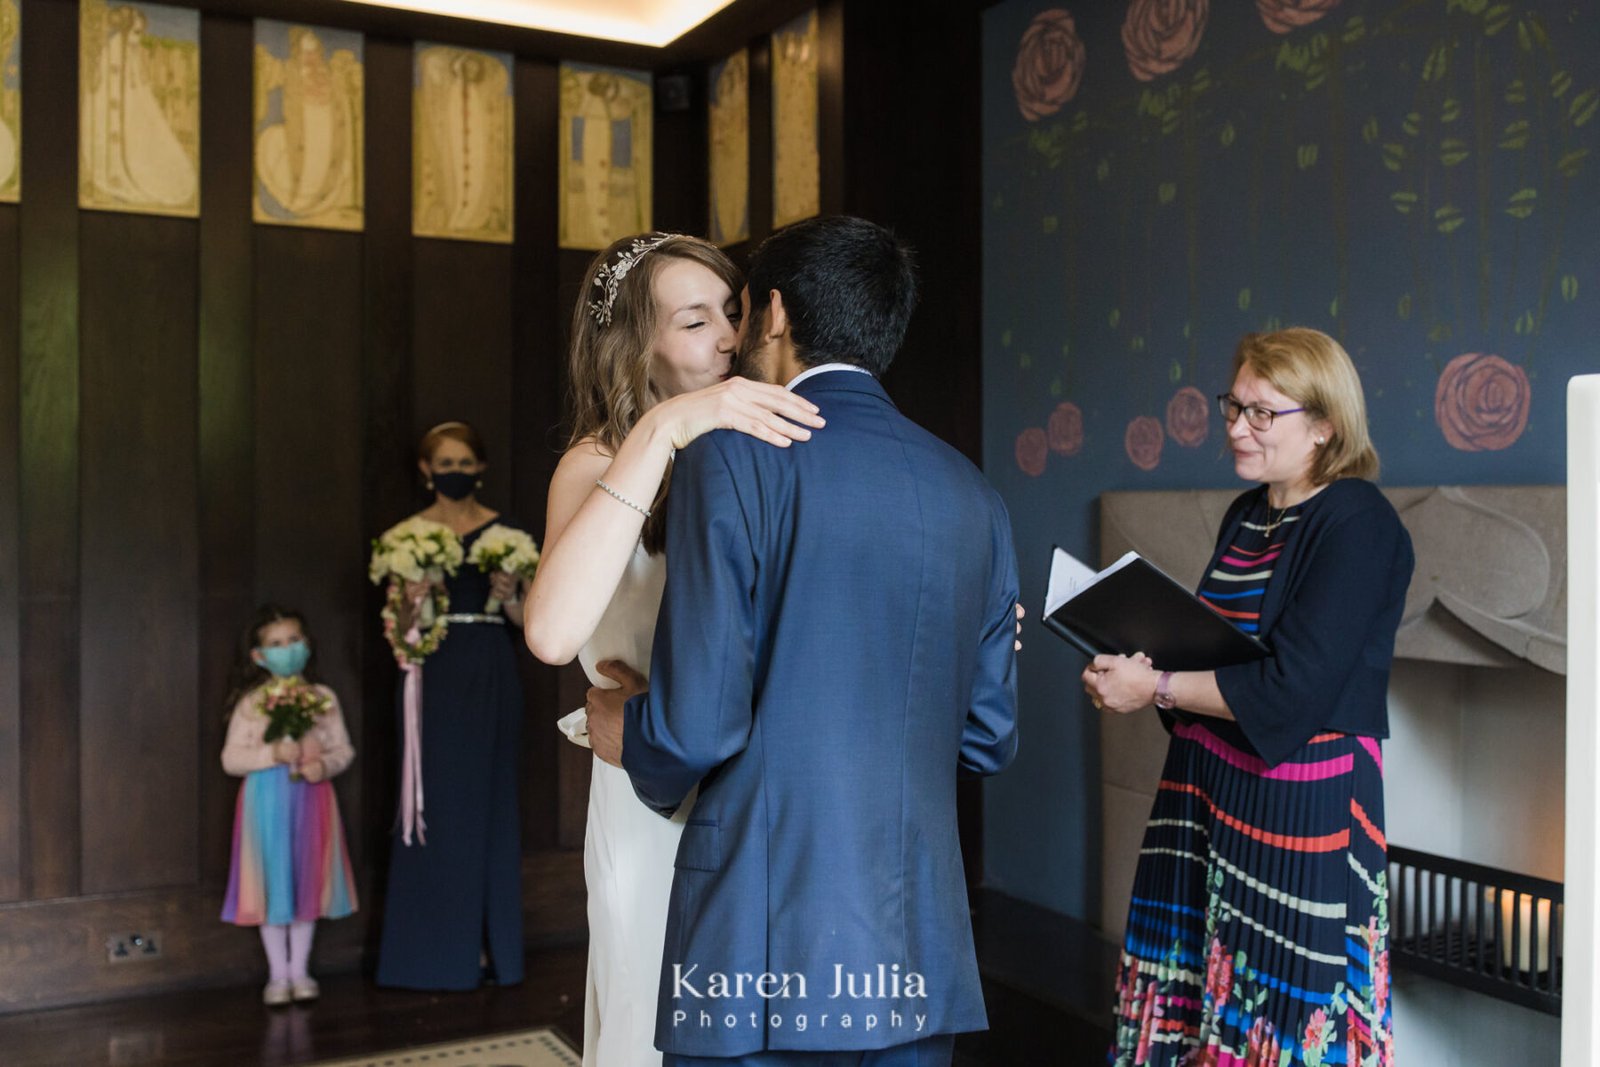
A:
[1258,931]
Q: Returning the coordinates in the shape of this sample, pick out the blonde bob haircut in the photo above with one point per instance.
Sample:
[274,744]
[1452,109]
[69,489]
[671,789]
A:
[609,364]
[1314,371]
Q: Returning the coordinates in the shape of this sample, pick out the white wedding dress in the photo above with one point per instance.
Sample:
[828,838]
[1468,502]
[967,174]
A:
[628,852]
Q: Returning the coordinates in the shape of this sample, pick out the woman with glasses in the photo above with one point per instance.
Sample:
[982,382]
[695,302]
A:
[1259,924]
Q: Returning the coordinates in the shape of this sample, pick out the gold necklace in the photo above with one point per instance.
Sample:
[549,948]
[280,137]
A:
[1272,524]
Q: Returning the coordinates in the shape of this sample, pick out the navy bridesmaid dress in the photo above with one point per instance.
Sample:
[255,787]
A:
[460,895]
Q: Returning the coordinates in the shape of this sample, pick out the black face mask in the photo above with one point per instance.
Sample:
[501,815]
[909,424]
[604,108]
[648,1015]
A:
[455,485]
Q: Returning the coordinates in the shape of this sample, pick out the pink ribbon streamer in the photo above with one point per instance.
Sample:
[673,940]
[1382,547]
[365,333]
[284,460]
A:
[411,756]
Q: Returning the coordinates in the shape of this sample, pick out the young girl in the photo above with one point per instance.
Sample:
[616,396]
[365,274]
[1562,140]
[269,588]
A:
[289,866]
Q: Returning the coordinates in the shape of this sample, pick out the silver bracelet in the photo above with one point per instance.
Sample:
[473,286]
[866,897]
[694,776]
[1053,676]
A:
[641,510]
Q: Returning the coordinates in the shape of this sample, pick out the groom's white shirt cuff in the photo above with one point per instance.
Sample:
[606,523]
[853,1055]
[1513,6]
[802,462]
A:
[823,369]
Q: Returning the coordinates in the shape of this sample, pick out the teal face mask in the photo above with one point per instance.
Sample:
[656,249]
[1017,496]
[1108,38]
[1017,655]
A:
[285,661]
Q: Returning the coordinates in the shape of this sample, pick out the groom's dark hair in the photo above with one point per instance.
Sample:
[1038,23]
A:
[848,286]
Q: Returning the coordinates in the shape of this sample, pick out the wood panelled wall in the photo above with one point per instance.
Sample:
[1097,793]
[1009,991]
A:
[197,416]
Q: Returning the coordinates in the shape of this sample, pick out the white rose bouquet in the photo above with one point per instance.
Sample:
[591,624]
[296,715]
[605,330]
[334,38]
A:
[414,551]
[501,548]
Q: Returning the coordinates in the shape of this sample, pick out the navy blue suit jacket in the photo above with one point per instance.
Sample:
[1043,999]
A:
[835,640]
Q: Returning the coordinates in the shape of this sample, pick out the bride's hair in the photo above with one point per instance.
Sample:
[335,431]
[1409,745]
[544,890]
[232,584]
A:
[613,337]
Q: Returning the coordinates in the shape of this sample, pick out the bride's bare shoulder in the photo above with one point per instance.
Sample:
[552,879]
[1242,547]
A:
[587,460]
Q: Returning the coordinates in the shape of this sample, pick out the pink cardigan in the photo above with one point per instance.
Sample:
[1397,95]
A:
[246,750]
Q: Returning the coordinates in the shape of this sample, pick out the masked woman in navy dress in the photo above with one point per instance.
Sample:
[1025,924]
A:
[1258,933]
[453,909]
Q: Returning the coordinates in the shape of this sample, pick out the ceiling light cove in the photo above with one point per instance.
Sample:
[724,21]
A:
[648,22]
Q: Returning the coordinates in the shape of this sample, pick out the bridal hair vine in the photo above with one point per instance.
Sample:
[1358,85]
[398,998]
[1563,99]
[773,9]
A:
[609,277]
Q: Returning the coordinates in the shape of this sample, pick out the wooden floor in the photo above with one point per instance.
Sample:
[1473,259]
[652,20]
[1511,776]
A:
[1045,982]
[231,1028]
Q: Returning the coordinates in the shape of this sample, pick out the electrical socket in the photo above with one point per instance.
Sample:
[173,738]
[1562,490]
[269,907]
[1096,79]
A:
[134,947]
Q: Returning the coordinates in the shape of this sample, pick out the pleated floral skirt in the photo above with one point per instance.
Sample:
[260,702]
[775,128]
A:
[1258,933]
[289,858]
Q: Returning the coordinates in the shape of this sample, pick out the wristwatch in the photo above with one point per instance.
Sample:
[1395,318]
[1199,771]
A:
[1164,698]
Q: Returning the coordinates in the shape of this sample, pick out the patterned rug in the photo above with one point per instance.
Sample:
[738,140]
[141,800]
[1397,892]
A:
[524,1048]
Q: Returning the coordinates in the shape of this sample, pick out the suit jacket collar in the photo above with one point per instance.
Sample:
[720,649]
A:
[842,381]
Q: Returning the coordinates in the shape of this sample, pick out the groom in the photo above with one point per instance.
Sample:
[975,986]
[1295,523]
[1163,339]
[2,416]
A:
[835,641]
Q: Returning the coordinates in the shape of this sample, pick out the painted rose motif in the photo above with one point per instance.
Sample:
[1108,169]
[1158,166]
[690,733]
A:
[1143,442]
[1481,402]
[1147,1024]
[1188,417]
[1032,448]
[1219,975]
[1281,16]
[1065,429]
[1049,64]
[1159,35]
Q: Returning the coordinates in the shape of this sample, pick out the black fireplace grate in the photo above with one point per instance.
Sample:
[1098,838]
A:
[1492,931]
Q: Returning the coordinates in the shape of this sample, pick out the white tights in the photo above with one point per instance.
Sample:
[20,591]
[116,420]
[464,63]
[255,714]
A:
[288,949]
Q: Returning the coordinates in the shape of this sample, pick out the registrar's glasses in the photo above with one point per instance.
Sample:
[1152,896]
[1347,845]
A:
[1259,418]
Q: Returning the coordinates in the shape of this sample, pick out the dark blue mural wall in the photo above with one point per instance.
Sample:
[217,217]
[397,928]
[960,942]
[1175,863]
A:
[1418,178]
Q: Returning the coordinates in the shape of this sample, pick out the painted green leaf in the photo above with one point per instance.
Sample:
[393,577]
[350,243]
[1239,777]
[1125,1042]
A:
[1583,106]
[1354,29]
[1333,308]
[1316,74]
[1295,58]
[1569,287]
[1452,150]
[1102,170]
[1516,93]
[1450,110]
[1055,387]
[1005,339]
[1369,130]
[1521,203]
[1440,333]
[1167,192]
[1437,63]
[1244,299]
[1025,361]
[1227,134]
[1403,306]
[1403,201]
[1175,372]
[1523,36]
[1116,317]
[1560,82]
[1516,135]
[1066,349]
[1496,18]
[1186,331]
[1137,344]
[1536,28]
[1171,120]
[1412,123]
[1471,7]
[1080,122]
[1306,156]
[1393,155]
[1202,80]
[1050,224]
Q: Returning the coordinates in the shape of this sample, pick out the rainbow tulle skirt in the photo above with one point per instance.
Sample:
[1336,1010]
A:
[289,857]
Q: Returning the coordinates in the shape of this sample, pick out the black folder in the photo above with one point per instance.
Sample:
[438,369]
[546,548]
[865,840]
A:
[1134,606]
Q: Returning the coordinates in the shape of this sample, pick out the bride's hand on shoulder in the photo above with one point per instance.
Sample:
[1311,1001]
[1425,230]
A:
[769,413]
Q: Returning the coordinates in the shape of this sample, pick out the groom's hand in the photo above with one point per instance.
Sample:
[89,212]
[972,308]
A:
[604,707]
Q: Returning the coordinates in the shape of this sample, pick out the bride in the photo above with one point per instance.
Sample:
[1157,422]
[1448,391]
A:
[653,340]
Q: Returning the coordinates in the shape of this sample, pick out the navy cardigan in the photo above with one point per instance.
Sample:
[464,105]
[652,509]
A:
[1329,617]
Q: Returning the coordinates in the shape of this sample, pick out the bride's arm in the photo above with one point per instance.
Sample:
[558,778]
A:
[590,535]
[589,538]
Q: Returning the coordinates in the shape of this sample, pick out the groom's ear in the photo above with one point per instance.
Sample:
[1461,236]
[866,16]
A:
[777,323]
